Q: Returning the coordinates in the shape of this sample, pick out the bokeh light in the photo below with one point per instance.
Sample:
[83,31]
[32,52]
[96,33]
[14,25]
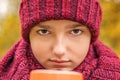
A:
[3,8]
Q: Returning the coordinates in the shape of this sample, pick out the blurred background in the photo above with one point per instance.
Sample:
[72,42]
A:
[10,24]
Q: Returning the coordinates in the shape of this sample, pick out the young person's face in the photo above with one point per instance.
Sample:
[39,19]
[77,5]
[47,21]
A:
[60,44]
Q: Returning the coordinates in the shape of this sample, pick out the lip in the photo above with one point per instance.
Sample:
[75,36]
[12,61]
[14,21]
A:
[59,62]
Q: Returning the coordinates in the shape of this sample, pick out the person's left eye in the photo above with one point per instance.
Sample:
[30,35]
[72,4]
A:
[76,32]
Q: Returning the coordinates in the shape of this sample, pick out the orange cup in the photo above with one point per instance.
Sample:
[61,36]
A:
[55,75]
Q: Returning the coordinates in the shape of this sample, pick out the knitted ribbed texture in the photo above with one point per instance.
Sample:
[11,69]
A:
[87,12]
[101,63]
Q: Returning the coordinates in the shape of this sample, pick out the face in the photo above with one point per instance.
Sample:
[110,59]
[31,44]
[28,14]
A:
[60,44]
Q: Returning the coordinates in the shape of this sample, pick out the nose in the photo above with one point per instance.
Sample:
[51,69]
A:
[59,48]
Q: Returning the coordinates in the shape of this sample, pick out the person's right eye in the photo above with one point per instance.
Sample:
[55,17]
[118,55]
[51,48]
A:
[43,32]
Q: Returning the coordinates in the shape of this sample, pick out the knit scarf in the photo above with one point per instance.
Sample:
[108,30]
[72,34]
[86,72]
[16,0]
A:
[101,63]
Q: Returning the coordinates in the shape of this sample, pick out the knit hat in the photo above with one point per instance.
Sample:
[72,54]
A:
[86,12]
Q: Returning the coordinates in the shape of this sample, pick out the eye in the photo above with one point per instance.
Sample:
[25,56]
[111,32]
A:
[43,32]
[76,32]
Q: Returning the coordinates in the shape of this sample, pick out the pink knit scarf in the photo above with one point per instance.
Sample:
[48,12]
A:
[100,63]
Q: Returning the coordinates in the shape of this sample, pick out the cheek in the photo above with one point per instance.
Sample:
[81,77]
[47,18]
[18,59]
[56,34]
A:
[80,50]
[80,54]
[40,50]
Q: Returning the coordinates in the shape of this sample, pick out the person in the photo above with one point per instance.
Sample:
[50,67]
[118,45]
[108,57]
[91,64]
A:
[60,35]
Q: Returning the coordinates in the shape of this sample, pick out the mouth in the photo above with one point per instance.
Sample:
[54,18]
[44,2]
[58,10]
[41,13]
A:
[59,62]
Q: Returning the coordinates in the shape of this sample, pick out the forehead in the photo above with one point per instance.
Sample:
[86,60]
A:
[57,21]
[60,23]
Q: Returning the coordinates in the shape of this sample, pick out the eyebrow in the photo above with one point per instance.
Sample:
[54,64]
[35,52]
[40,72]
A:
[43,26]
[75,25]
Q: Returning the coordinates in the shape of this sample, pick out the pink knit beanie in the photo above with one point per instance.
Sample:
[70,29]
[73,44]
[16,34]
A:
[86,12]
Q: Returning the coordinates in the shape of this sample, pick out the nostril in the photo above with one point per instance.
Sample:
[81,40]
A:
[59,50]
